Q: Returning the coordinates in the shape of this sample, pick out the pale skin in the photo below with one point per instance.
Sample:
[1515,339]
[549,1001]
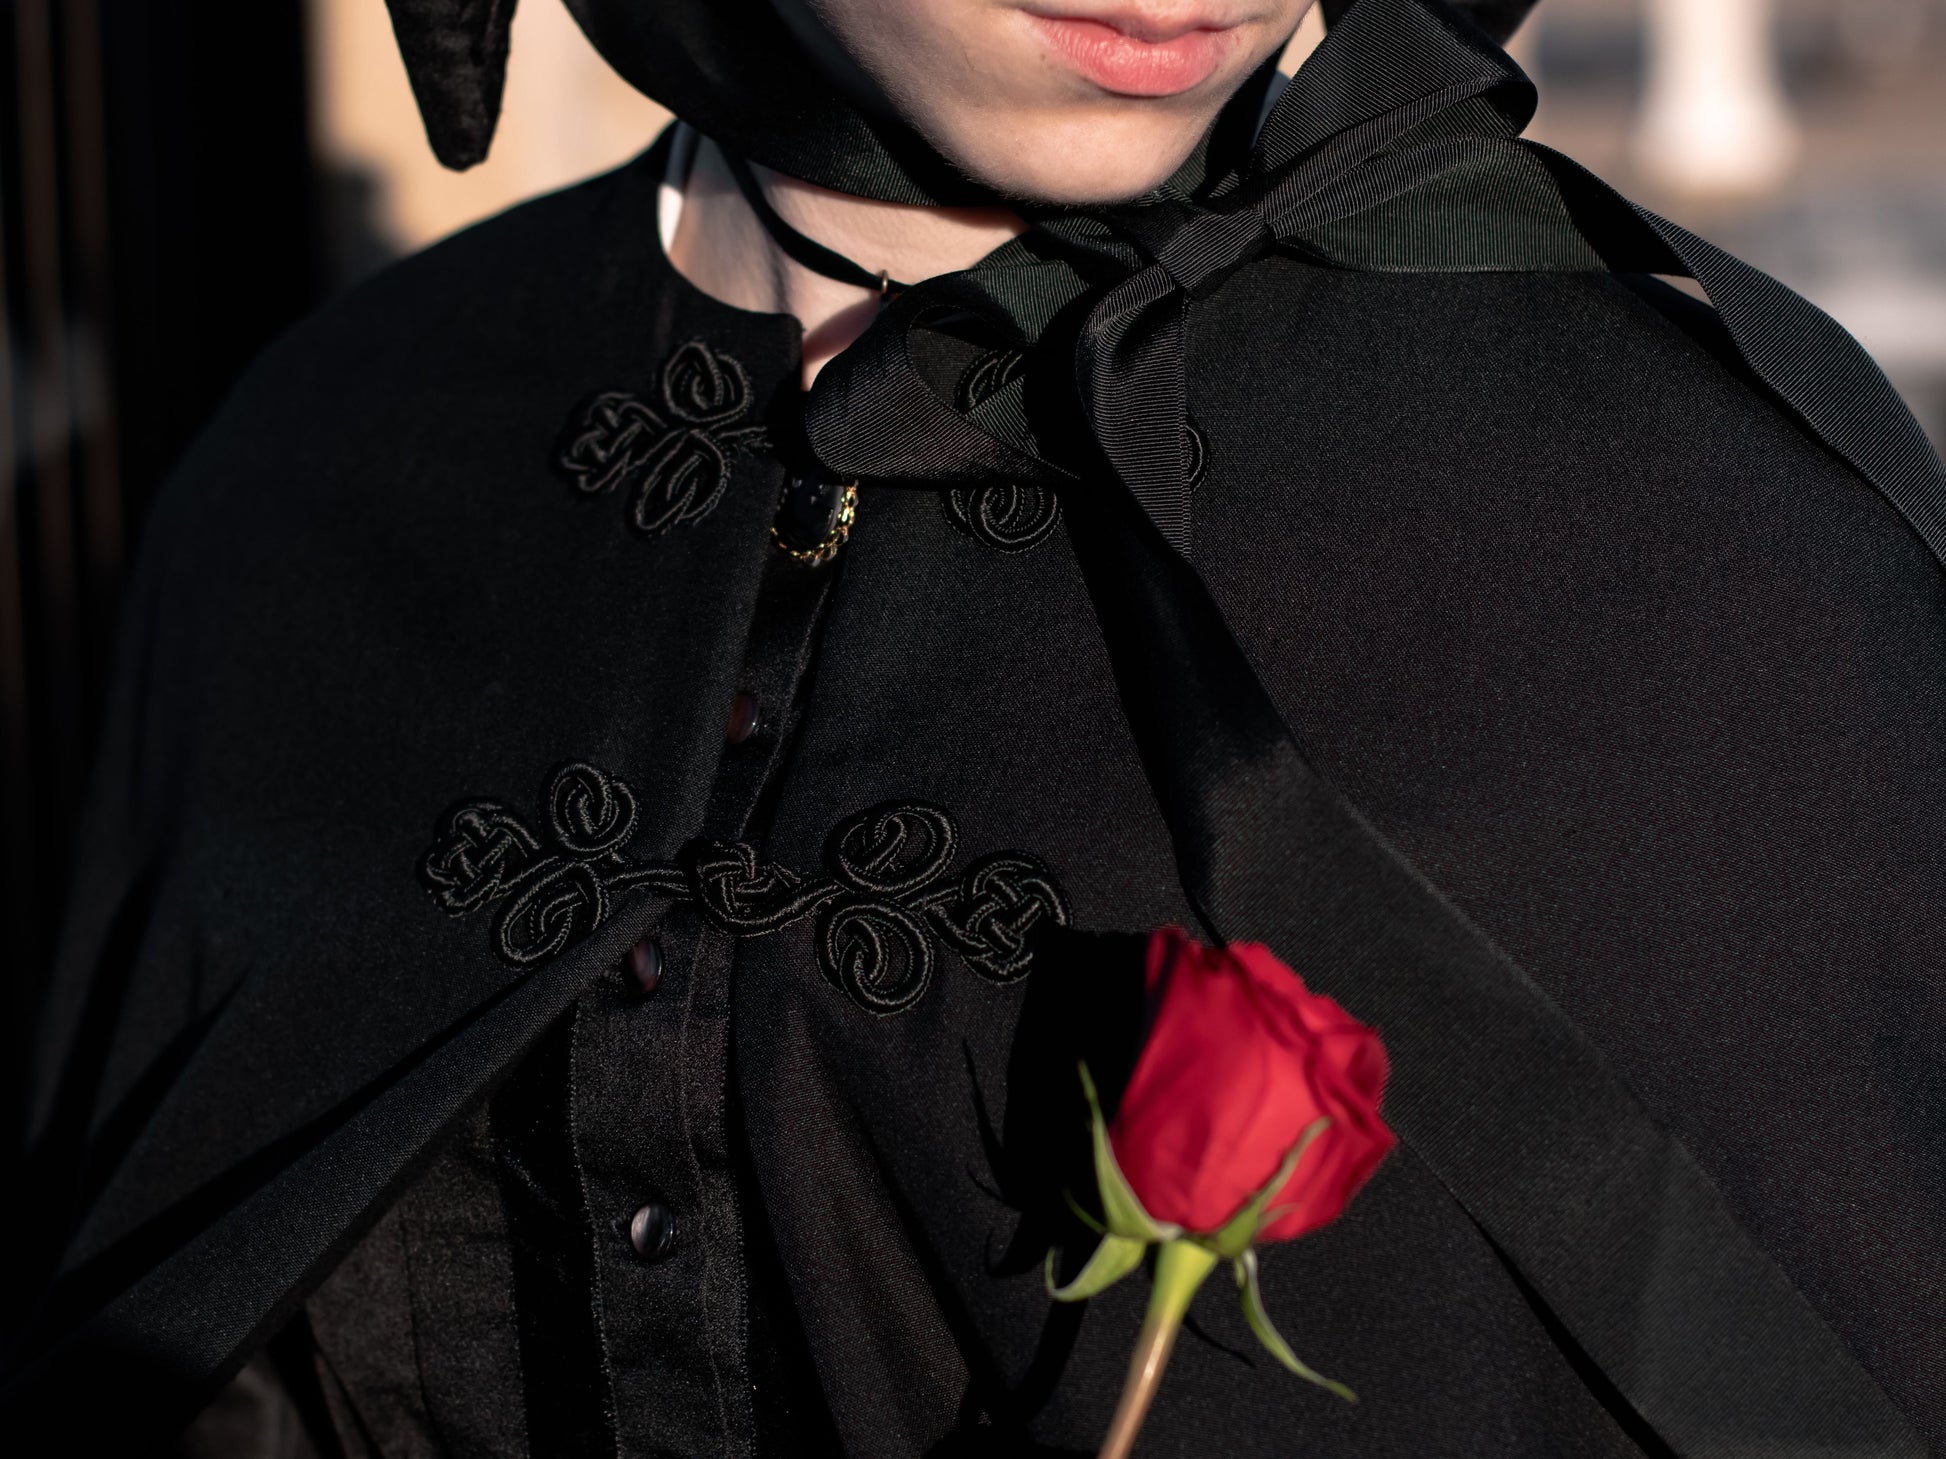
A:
[1056,100]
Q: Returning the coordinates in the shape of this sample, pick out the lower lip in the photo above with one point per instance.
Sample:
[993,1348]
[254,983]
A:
[1121,63]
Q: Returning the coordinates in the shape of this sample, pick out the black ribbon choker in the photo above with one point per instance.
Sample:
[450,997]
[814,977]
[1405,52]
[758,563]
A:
[812,254]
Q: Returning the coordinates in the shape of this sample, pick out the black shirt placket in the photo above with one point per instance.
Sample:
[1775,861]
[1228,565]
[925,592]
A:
[650,1096]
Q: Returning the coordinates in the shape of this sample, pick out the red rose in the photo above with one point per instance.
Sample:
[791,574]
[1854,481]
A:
[1240,1060]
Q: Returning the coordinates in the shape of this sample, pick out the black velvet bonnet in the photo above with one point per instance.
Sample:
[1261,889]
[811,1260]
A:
[734,69]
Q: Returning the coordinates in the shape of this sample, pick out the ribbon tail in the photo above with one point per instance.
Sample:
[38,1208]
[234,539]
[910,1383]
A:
[1809,360]
[874,416]
[1226,772]
[1130,374]
[1629,1244]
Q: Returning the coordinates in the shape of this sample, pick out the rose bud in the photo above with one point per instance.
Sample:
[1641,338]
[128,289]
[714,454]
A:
[1252,1115]
[1240,1060]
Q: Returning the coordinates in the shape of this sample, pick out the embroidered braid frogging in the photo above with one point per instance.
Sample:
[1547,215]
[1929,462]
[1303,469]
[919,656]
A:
[1018,516]
[670,457]
[886,899]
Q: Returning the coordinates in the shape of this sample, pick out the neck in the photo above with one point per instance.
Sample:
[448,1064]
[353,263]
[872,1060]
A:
[722,249]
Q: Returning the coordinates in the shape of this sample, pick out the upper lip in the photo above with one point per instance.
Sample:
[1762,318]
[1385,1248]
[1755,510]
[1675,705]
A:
[1141,25]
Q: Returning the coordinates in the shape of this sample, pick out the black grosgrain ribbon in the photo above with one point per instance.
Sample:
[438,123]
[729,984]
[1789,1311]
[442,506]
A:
[1396,148]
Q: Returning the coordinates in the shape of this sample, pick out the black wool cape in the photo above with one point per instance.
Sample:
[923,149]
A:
[1551,667]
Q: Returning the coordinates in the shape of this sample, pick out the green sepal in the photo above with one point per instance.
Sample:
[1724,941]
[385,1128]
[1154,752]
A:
[1114,1259]
[1237,1234]
[1121,1208]
[1260,1324]
[1082,1214]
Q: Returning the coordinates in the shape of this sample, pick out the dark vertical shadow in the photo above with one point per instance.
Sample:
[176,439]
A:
[158,226]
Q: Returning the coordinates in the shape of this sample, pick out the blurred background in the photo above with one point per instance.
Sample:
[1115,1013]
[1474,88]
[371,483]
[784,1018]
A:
[180,179]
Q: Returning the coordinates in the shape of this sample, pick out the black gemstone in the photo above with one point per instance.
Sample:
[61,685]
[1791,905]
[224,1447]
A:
[652,1231]
[808,514]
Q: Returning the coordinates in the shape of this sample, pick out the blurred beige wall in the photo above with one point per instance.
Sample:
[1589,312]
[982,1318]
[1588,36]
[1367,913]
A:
[566,117]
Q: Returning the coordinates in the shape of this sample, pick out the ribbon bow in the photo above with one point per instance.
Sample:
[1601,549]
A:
[1397,148]
[1347,142]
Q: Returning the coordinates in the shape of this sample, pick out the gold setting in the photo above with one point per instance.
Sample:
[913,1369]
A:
[819,555]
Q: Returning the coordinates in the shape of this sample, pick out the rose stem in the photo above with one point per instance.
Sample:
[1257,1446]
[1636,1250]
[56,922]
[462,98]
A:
[1180,1267]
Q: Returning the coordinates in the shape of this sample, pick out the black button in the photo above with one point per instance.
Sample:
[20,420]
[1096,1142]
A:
[746,718]
[645,964]
[652,1231]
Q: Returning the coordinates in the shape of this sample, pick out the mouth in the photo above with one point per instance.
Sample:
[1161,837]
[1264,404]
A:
[1133,55]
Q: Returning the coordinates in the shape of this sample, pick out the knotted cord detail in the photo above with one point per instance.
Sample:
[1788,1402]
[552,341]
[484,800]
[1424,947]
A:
[886,899]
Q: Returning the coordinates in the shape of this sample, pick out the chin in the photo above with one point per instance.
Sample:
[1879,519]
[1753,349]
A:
[1074,155]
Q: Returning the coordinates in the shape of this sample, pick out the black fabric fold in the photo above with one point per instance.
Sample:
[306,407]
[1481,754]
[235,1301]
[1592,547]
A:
[1397,148]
